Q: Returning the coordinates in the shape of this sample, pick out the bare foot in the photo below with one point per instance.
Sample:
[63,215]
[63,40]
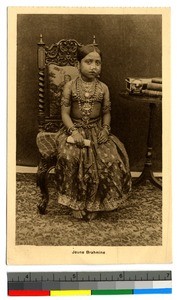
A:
[78,214]
[92,215]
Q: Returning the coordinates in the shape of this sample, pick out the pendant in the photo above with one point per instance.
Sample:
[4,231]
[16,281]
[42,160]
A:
[85,119]
[86,95]
[87,107]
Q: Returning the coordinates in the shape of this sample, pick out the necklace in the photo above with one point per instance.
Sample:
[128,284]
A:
[86,94]
[88,88]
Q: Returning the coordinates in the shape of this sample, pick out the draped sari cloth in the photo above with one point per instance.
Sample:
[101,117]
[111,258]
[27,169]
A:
[95,178]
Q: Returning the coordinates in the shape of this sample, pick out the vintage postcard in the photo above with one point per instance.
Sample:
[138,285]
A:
[89,149]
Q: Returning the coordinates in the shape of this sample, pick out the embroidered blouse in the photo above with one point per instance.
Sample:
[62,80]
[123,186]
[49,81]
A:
[70,94]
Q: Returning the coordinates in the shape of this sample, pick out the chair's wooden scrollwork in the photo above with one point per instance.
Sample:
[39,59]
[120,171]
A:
[63,53]
[41,67]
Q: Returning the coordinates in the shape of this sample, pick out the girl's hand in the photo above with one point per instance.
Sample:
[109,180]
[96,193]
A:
[78,139]
[103,136]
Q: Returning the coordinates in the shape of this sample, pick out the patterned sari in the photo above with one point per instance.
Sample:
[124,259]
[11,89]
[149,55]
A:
[94,178]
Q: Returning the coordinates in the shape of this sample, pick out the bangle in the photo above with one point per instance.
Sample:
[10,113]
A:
[71,129]
[74,132]
[107,128]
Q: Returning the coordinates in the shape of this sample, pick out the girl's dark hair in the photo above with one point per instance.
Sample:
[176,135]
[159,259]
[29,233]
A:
[84,50]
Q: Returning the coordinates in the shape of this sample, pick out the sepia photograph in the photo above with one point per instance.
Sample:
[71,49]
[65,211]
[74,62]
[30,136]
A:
[89,160]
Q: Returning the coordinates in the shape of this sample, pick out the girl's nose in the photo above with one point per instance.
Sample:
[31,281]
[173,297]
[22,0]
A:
[93,66]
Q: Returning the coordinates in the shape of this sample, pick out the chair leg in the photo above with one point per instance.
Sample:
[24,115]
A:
[42,182]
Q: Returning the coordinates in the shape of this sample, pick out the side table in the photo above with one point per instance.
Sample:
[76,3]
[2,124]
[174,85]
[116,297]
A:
[147,173]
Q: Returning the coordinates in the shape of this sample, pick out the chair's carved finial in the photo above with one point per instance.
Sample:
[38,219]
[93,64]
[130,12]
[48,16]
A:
[94,41]
[41,41]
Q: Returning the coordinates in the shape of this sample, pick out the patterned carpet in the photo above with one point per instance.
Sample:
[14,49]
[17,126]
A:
[137,223]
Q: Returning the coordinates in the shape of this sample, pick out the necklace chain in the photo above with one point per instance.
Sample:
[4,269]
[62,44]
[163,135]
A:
[88,88]
[86,94]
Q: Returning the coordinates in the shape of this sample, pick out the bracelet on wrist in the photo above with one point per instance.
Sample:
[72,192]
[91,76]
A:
[71,129]
[107,128]
[74,132]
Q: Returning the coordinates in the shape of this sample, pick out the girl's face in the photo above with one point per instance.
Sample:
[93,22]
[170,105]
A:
[90,66]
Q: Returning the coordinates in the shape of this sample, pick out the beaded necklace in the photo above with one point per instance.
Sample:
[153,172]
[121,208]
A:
[86,95]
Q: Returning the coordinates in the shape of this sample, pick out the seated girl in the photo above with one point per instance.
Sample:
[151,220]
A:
[96,177]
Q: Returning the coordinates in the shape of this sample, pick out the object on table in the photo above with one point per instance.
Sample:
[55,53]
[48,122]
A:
[154,86]
[136,85]
[157,80]
[152,93]
[146,86]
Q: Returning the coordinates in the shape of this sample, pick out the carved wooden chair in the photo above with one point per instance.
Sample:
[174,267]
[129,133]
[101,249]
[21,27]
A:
[57,64]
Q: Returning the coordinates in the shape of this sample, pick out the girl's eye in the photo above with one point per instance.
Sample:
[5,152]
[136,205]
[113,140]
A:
[89,62]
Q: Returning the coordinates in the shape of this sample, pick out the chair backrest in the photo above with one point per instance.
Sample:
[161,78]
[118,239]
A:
[57,64]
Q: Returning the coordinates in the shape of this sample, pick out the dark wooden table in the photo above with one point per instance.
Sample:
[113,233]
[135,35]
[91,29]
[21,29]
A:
[147,173]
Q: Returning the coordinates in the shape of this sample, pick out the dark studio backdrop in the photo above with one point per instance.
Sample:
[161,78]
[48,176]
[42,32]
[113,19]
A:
[131,46]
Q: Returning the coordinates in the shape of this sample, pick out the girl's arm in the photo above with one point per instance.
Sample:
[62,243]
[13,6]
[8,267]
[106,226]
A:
[106,107]
[106,118]
[66,106]
[66,118]
[65,115]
